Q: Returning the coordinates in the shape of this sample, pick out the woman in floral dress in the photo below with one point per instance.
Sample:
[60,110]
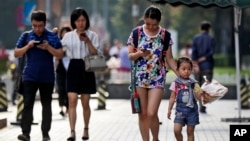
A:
[149,47]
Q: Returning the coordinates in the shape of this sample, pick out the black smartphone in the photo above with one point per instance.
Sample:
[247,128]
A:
[83,34]
[146,50]
[38,42]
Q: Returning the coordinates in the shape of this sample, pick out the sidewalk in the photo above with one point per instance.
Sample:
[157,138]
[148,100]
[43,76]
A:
[118,124]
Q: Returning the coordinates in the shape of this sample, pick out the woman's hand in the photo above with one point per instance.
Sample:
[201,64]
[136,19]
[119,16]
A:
[84,37]
[169,114]
[143,53]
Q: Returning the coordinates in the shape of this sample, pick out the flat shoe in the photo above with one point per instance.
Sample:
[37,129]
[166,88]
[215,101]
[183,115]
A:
[23,137]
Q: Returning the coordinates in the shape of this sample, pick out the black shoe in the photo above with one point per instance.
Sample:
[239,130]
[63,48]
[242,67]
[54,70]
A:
[62,113]
[85,137]
[46,138]
[203,109]
[72,137]
[23,137]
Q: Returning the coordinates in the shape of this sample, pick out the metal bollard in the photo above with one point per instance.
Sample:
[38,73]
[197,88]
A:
[244,94]
[102,94]
[20,107]
[3,98]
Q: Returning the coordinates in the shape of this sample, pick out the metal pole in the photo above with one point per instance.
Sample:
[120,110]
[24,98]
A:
[135,12]
[48,12]
[67,7]
[237,17]
[105,13]
[94,8]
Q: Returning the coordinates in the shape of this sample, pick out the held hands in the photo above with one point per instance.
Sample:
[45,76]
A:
[201,59]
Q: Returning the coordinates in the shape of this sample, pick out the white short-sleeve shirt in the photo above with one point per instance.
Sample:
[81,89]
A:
[77,49]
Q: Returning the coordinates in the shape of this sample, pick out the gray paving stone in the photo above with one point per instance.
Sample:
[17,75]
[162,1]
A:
[116,123]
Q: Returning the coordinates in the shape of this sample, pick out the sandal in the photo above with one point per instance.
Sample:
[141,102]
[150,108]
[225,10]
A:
[85,137]
[72,136]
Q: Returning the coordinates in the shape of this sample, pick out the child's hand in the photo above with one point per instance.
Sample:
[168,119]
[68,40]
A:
[200,94]
[206,98]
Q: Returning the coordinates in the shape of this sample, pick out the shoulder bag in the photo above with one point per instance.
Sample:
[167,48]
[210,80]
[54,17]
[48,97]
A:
[18,84]
[95,62]
[135,99]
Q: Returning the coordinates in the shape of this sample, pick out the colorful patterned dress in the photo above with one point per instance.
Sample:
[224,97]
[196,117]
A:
[150,71]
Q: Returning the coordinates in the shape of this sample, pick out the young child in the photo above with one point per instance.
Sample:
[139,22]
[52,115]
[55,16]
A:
[184,91]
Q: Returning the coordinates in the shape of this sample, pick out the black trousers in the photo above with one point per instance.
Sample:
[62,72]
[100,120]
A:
[29,93]
[61,89]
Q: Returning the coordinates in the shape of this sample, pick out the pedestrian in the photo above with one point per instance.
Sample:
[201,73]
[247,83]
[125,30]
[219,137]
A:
[186,50]
[79,43]
[61,68]
[38,46]
[184,91]
[149,52]
[115,49]
[202,55]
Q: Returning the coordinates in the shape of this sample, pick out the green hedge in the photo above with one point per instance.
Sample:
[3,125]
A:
[223,60]
[3,66]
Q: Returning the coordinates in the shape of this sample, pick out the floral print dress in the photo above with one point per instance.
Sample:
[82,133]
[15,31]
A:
[150,72]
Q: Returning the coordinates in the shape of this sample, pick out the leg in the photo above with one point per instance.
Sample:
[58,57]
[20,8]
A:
[29,93]
[177,131]
[200,79]
[190,132]
[86,114]
[73,97]
[143,119]
[46,90]
[154,100]
[13,96]
[62,94]
[209,75]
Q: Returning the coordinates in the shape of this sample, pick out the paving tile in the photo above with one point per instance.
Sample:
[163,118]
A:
[117,123]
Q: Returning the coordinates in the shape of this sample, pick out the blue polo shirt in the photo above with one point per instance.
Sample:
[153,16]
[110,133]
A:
[39,65]
[203,46]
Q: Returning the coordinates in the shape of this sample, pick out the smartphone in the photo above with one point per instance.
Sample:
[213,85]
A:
[83,34]
[38,42]
[146,50]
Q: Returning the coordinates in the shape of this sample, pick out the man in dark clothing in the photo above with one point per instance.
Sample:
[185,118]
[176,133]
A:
[38,46]
[202,55]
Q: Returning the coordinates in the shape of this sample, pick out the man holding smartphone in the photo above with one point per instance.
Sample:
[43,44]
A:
[38,46]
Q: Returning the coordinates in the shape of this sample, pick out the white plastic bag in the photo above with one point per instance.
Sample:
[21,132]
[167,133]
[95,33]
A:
[213,90]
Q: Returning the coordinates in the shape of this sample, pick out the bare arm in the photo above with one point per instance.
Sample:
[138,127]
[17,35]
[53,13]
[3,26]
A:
[171,104]
[19,52]
[134,55]
[171,61]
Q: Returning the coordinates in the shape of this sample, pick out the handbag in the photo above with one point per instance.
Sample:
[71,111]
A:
[18,85]
[135,99]
[95,63]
